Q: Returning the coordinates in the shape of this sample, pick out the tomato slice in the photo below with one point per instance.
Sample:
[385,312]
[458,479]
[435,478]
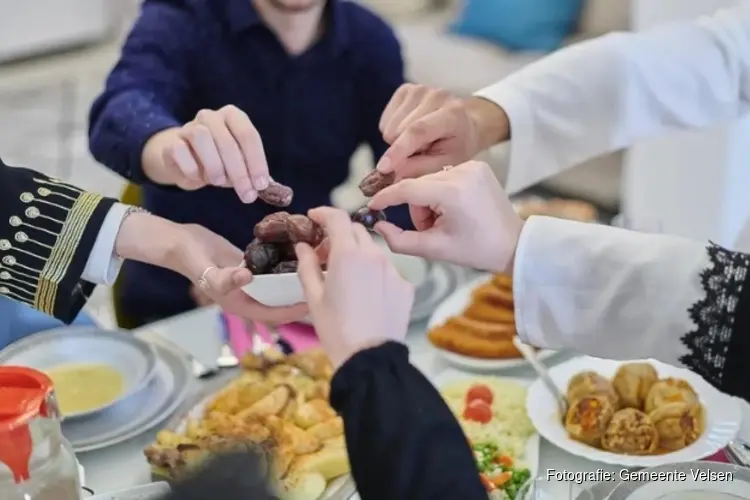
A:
[499,479]
[486,483]
[480,392]
[504,460]
[478,411]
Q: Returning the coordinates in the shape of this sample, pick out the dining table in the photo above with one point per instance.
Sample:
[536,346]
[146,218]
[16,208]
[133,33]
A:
[198,334]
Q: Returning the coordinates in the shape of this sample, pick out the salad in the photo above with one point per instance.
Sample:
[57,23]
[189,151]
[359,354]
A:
[497,472]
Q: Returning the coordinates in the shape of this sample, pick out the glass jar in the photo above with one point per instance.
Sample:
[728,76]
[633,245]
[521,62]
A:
[36,461]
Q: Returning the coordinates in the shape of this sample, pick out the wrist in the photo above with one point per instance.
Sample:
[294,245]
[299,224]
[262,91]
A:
[490,122]
[152,157]
[150,239]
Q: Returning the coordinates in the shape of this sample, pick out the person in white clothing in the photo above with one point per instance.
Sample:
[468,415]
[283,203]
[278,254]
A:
[600,290]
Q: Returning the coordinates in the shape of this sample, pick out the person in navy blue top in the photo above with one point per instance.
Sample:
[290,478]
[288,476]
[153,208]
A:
[210,97]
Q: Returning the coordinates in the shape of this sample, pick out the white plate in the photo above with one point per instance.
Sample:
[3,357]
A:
[723,414]
[688,485]
[133,358]
[138,413]
[285,289]
[531,453]
[454,305]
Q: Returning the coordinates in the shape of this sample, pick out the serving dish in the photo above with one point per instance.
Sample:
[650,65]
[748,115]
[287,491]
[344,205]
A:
[722,414]
[286,289]
[133,358]
[455,305]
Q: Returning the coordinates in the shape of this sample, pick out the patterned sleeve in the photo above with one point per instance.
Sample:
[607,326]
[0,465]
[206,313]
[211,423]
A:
[718,346]
[47,231]
[619,294]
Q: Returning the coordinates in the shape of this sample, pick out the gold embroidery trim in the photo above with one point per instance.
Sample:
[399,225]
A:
[64,250]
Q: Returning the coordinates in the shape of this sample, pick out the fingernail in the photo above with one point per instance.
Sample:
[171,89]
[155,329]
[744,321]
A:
[384,165]
[249,196]
[261,182]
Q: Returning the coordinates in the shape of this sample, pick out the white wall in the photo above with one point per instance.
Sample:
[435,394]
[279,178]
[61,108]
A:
[692,183]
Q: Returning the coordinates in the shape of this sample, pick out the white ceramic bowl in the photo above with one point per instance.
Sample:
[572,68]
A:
[285,289]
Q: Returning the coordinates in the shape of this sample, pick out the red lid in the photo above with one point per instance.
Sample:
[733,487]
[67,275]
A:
[23,396]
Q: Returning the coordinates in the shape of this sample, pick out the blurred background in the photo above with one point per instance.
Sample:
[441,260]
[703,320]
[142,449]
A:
[55,54]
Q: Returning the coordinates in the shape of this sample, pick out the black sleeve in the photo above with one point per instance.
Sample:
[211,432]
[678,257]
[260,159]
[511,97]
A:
[403,441]
[47,231]
[718,348]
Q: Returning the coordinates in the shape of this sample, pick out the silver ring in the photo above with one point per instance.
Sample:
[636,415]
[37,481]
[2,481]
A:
[203,281]
[446,168]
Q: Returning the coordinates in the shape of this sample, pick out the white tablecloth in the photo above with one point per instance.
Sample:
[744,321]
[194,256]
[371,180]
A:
[124,466]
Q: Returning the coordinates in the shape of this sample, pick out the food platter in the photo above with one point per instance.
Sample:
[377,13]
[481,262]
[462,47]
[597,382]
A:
[510,430]
[454,305]
[277,404]
[722,415]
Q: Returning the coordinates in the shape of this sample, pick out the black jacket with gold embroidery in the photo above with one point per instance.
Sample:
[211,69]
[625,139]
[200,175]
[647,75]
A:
[47,231]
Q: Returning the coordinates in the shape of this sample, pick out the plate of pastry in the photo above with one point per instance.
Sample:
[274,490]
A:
[642,413]
[560,208]
[474,327]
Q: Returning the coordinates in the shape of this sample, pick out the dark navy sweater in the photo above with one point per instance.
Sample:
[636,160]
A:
[312,111]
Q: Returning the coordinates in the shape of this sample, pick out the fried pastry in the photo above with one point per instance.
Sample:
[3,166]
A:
[459,341]
[633,381]
[630,432]
[503,281]
[490,313]
[590,383]
[588,417]
[678,424]
[491,294]
[669,390]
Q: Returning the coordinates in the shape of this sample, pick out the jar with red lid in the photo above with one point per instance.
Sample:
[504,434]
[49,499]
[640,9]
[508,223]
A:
[36,461]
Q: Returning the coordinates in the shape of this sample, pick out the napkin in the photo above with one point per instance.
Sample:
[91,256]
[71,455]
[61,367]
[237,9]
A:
[719,456]
[301,336]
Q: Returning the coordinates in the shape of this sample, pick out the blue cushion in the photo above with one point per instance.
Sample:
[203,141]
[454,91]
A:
[534,25]
[20,320]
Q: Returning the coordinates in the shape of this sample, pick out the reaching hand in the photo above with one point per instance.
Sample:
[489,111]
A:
[461,214]
[219,148]
[429,128]
[209,261]
[362,301]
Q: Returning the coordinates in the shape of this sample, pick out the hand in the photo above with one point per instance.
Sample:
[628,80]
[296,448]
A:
[218,148]
[429,128]
[190,250]
[462,215]
[362,301]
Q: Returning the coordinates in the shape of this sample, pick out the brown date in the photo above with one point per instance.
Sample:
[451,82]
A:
[277,195]
[302,229]
[261,257]
[273,228]
[375,182]
[368,218]
[287,251]
[288,266]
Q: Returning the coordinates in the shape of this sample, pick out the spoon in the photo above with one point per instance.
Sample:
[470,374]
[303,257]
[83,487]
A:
[530,355]
[227,358]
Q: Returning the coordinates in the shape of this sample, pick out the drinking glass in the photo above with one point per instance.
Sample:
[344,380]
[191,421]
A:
[541,488]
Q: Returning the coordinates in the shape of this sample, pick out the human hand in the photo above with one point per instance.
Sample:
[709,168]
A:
[218,148]
[461,214]
[429,128]
[362,301]
[210,262]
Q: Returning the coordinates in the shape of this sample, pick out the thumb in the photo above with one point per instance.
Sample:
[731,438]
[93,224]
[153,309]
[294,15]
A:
[429,244]
[222,281]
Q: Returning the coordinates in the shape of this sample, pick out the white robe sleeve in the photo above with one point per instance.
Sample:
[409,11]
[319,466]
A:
[602,95]
[619,294]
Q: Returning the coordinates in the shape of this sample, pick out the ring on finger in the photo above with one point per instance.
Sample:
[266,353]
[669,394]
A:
[203,280]
[447,167]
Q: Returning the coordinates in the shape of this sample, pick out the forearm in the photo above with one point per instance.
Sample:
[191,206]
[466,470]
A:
[605,94]
[619,294]
[403,441]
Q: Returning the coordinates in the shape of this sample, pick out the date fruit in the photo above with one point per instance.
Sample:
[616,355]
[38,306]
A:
[302,229]
[375,182]
[288,266]
[261,257]
[287,251]
[273,228]
[368,218]
[277,195]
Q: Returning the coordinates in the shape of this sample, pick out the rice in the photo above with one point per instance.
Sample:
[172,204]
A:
[510,426]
